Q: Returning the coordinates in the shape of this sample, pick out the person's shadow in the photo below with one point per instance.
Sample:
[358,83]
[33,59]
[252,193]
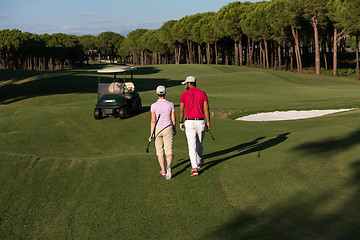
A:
[232,152]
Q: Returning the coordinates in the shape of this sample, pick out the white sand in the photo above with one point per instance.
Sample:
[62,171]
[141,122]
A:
[289,115]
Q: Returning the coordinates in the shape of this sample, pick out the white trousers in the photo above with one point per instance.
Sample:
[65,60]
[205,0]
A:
[195,132]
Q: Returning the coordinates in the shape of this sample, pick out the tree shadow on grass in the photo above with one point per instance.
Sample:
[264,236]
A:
[232,152]
[17,85]
[300,217]
[332,145]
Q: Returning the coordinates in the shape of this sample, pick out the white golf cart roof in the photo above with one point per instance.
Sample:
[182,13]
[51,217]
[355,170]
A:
[116,69]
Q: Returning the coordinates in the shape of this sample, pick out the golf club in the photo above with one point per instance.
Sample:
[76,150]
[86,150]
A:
[147,149]
[152,134]
[211,135]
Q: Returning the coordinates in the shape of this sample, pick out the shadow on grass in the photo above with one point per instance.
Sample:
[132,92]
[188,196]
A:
[232,152]
[331,145]
[300,217]
[243,149]
[18,85]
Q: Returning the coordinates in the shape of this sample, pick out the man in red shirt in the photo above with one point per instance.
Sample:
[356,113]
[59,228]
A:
[196,105]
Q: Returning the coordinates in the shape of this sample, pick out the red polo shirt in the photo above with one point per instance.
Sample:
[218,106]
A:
[193,100]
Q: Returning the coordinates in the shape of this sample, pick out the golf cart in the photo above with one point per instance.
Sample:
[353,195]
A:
[117,97]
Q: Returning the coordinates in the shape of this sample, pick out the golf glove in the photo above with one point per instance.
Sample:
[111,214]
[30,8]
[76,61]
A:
[182,126]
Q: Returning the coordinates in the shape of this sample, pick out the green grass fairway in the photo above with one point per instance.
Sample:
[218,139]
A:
[65,175]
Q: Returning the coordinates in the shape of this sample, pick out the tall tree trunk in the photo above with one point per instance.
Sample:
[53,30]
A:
[273,62]
[337,38]
[261,58]
[176,54]
[325,60]
[325,54]
[240,51]
[317,48]
[292,57]
[154,58]
[46,66]
[29,65]
[252,52]
[199,54]
[145,58]
[6,60]
[335,52]
[51,65]
[1,62]
[279,56]
[142,58]
[236,46]
[208,54]
[357,57]
[35,64]
[266,55]
[190,51]
[225,54]
[193,53]
[248,53]
[179,54]
[295,34]
[43,63]
[216,54]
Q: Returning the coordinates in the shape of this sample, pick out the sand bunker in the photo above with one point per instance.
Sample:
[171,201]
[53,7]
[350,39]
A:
[289,115]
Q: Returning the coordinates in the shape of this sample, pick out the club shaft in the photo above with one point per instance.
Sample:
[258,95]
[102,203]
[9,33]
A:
[211,135]
[153,133]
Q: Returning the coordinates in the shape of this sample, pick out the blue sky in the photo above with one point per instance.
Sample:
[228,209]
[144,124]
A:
[81,17]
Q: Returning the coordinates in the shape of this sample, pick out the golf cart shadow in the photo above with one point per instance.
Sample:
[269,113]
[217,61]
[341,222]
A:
[235,151]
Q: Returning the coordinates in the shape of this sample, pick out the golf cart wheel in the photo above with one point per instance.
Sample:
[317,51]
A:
[97,113]
[123,113]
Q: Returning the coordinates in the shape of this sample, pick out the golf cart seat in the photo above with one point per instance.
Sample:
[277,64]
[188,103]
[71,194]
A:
[129,87]
[116,88]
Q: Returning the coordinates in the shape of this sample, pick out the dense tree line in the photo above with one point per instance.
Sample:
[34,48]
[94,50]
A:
[277,34]
[52,52]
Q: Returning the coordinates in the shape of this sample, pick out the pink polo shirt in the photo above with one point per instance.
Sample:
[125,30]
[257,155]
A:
[194,99]
[164,108]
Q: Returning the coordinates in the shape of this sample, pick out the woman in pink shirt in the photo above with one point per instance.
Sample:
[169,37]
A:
[163,111]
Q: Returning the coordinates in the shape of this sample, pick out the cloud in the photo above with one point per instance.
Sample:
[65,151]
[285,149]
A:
[71,28]
[32,28]
[3,17]
[89,14]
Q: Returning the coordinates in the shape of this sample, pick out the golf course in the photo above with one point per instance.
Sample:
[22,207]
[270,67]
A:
[65,175]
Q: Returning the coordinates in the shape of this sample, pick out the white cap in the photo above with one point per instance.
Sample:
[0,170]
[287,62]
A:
[160,90]
[189,79]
